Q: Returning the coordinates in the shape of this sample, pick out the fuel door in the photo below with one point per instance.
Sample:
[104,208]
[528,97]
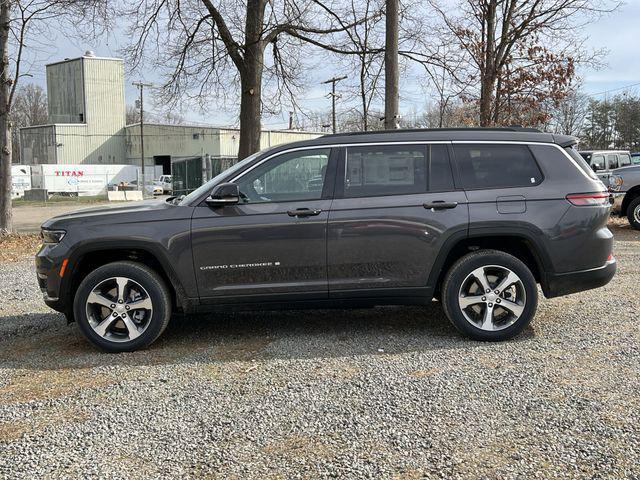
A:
[511,204]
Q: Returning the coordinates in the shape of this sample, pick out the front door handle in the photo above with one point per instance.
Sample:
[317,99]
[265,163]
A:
[304,212]
[439,205]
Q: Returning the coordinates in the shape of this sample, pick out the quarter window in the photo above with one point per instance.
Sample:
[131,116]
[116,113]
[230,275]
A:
[396,170]
[288,177]
[496,166]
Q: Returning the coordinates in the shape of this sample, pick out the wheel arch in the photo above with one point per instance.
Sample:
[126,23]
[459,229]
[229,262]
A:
[519,242]
[87,258]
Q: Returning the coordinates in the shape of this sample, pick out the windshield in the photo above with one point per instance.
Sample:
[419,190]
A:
[208,186]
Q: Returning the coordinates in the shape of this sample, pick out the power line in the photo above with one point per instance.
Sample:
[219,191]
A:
[613,90]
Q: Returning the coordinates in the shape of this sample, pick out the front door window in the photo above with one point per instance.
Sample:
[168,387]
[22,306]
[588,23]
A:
[290,177]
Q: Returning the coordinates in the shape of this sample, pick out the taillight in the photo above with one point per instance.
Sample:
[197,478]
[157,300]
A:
[589,199]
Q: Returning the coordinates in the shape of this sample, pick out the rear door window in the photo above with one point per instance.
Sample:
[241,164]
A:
[496,166]
[612,160]
[625,160]
[396,170]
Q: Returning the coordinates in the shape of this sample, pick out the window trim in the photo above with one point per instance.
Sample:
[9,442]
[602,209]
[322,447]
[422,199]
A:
[535,161]
[341,145]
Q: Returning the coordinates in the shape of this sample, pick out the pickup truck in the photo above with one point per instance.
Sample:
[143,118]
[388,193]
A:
[624,185]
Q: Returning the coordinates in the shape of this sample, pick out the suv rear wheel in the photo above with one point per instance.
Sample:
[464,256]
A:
[122,306]
[633,213]
[489,295]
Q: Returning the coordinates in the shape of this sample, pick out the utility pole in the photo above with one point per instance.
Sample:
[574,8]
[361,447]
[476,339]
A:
[333,96]
[391,66]
[141,86]
[290,120]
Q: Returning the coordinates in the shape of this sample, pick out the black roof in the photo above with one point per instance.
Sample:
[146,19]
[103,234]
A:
[513,134]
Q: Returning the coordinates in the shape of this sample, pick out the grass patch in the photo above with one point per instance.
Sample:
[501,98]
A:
[61,200]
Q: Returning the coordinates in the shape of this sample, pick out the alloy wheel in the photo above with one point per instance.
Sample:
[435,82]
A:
[119,309]
[492,298]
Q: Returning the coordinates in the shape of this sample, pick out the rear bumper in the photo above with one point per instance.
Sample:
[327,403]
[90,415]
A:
[558,284]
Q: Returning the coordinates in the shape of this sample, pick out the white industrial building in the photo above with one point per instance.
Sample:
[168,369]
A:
[87,110]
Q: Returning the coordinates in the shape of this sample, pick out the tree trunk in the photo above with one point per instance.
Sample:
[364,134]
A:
[391,67]
[488,69]
[5,123]
[251,81]
[250,125]
[363,95]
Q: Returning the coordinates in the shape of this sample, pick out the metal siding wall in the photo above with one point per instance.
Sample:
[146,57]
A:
[65,96]
[38,145]
[175,140]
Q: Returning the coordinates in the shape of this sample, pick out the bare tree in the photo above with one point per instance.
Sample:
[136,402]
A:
[516,47]
[207,48]
[391,65]
[570,115]
[21,23]
[132,114]
[29,108]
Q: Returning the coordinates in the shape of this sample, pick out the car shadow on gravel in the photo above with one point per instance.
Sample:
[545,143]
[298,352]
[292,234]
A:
[45,341]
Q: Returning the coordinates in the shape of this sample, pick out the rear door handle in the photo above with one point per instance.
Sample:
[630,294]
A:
[304,212]
[439,205]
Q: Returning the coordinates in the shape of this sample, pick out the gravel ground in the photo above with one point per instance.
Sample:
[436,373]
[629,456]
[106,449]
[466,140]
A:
[388,392]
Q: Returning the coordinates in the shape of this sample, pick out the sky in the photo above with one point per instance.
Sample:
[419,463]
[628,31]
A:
[616,32]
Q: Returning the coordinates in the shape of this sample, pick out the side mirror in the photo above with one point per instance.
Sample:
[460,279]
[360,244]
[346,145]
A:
[594,167]
[224,194]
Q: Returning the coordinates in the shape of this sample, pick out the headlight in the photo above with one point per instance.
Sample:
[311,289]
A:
[615,182]
[52,236]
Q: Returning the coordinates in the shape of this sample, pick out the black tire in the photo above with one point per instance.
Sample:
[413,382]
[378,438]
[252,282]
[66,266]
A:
[144,276]
[459,274]
[633,213]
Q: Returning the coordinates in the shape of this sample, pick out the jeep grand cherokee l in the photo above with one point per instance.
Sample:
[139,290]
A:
[474,217]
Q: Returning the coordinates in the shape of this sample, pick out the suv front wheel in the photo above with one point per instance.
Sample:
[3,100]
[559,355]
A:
[122,306]
[489,295]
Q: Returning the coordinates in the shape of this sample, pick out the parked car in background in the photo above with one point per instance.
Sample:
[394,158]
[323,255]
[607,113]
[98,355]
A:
[618,170]
[603,162]
[624,185]
[150,188]
[164,181]
[474,217]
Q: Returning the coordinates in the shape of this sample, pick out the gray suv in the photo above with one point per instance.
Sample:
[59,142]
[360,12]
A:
[473,217]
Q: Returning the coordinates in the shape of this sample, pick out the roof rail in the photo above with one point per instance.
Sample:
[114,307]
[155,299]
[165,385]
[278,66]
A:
[514,128]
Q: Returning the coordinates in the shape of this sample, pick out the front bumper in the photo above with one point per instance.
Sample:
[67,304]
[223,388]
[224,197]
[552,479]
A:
[559,284]
[48,263]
